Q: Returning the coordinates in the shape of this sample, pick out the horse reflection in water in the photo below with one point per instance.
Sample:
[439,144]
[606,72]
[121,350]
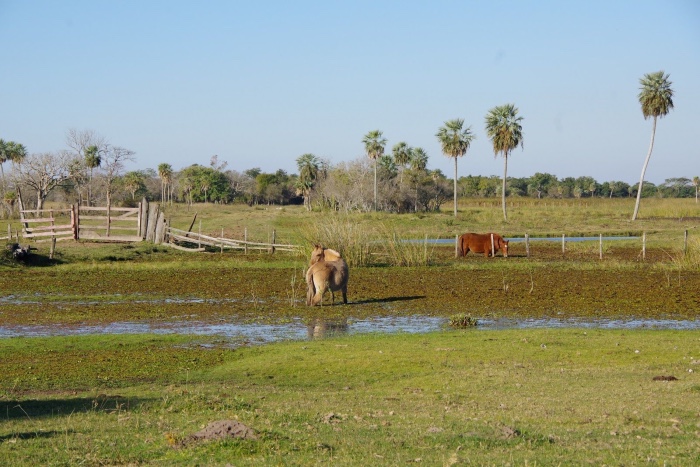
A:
[320,328]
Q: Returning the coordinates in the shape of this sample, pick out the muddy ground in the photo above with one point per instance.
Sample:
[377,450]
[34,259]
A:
[576,285]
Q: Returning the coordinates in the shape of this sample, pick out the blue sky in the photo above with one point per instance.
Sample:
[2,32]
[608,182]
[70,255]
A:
[261,83]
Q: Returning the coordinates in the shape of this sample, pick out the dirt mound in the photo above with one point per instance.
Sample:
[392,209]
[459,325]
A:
[221,429]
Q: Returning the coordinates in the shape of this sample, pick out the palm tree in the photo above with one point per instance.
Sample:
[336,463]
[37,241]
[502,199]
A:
[418,163]
[3,158]
[696,184]
[308,166]
[402,156]
[10,151]
[656,97]
[165,173]
[455,141]
[93,159]
[506,133]
[374,147]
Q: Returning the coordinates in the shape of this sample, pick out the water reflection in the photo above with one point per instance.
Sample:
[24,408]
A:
[320,328]
[247,333]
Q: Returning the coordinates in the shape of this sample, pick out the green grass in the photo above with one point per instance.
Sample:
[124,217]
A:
[528,396]
[547,397]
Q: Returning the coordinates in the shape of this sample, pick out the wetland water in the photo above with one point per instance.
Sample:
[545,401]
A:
[246,333]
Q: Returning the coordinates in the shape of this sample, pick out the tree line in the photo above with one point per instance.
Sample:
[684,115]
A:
[91,171]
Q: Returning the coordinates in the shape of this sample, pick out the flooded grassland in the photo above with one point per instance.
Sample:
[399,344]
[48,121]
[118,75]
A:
[206,297]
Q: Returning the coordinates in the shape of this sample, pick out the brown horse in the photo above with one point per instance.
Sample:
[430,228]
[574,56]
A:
[327,271]
[481,243]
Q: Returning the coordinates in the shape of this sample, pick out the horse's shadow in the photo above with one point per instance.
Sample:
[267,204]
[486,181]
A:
[386,300]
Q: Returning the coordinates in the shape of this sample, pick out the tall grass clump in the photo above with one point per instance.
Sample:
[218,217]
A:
[691,259]
[400,251]
[353,241]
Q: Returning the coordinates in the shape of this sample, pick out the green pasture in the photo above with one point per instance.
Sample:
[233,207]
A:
[535,397]
[487,397]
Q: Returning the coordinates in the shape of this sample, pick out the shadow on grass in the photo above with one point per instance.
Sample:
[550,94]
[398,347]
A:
[34,408]
[34,435]
[387,300]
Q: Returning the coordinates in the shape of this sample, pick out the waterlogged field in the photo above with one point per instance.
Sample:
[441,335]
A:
[590,382]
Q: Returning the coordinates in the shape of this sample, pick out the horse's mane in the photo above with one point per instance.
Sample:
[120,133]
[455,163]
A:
[321,253]
[331,255]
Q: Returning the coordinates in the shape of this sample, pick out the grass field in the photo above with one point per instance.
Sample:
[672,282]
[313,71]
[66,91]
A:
[486,397]
[543,397]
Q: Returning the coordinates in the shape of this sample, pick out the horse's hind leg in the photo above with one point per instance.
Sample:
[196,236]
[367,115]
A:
[320,292]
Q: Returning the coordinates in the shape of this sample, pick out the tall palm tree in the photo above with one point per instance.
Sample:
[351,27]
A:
[308,166]
[3,158]
[656,98]
[506,133]
[165,173]
[93,159]
[374,147]
[401,152]
[696,184]
[418,163]
[455,142]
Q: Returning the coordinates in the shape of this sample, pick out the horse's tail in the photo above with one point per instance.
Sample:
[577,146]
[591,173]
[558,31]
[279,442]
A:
[310,286]
[460,248]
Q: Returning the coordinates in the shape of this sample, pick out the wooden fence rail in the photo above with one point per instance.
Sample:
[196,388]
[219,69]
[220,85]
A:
[176,236]
[48,224]
[98,223]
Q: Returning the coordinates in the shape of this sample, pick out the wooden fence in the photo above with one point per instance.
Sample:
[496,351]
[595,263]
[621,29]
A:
[196,241]
[48,224]
[144,222]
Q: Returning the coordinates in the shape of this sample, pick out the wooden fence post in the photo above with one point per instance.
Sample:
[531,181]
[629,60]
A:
[493,251]
[685,243]
[425,250]
[456,246]
[644,245]
[143,218]
[527,245]
[563,243]
[159,235]
[600,247]
[274,235]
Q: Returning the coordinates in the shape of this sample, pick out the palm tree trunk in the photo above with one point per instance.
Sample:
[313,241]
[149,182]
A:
[455,186]
[375,184]
[503,190]
[644,169]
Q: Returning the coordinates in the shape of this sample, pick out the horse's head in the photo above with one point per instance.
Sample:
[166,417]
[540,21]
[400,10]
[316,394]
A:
[317,254]
[504,245]
[321,253]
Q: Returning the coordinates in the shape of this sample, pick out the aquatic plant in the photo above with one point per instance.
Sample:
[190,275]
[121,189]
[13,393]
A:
[463,321]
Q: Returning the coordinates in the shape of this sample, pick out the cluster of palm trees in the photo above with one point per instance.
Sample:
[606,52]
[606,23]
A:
[504,128]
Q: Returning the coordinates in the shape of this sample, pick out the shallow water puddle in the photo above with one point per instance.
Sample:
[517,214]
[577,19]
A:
[242,333]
